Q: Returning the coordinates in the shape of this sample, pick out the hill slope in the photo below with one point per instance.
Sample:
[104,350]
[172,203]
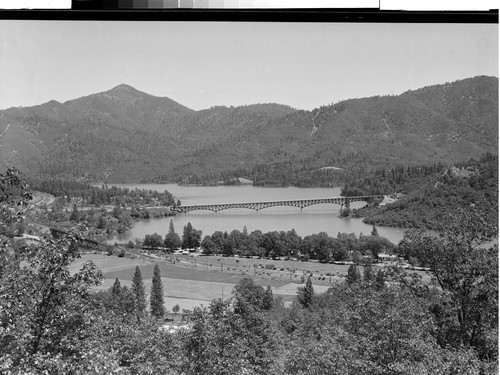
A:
[431,193]
[126,135]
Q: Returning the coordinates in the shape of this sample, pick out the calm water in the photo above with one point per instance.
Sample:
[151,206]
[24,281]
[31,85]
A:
[314,219]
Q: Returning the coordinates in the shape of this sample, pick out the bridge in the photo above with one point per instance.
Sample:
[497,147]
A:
[257,206]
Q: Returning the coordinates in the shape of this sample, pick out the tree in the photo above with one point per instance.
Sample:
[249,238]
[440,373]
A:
[116,288]
[153,241]
[380,280]
[172,239]
[191,237]
[374,231]
[353,275]
[139,294]
[208,246]
[224,341]
[14,197]
[75,215]
[306,294]
[268,300]
[44,307]
[101,222]
[464,263]
[176,308]
[368,274]
[375,245]
[248,294]
[156,296]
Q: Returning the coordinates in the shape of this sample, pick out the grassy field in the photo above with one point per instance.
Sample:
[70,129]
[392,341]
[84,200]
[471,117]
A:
[193,281]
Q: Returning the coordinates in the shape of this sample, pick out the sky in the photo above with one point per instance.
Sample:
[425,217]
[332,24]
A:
[203,64]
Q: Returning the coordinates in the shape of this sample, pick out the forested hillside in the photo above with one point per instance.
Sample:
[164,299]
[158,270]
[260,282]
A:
[429,193]
[125,135]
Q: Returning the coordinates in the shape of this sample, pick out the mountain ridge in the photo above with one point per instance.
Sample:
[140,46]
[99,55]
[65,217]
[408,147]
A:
[124,134]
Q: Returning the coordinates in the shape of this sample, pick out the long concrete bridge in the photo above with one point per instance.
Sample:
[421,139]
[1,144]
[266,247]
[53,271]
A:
[257,206]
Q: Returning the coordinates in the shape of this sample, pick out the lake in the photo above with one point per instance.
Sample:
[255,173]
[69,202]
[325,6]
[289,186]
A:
[313,219]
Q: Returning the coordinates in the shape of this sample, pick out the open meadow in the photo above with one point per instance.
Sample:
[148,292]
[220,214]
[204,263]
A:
[191,281]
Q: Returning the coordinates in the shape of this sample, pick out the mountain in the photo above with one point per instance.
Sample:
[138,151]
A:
[127,135]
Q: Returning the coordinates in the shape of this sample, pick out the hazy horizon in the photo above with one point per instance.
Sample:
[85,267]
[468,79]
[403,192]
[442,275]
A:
[206,64]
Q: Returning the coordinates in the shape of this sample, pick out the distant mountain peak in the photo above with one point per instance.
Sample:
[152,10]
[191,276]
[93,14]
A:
[125,89]
[123,86]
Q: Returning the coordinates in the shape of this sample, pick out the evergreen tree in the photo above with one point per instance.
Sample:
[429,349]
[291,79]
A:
[268,300]
[156,296]
[353,274]
[139,293]
[374,231]
[306,294]
[115,290]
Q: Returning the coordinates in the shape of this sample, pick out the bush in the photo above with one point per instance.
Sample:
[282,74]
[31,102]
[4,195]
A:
[121,254]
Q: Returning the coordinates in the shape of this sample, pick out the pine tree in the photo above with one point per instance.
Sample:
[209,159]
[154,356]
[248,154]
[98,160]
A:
[353,274]
[116,288]
[139,293]
[156,296]
[268,300]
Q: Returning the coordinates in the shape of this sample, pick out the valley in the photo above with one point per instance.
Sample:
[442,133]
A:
[97,262]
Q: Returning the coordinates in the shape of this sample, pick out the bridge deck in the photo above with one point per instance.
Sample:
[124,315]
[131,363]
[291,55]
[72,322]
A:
[257,206]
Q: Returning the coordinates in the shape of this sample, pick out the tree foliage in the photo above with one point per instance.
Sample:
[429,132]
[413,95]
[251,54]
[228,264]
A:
[463,262]
[139,294]
[353,274]
[191,238]
[305,295]
[172,239]
[156,296]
